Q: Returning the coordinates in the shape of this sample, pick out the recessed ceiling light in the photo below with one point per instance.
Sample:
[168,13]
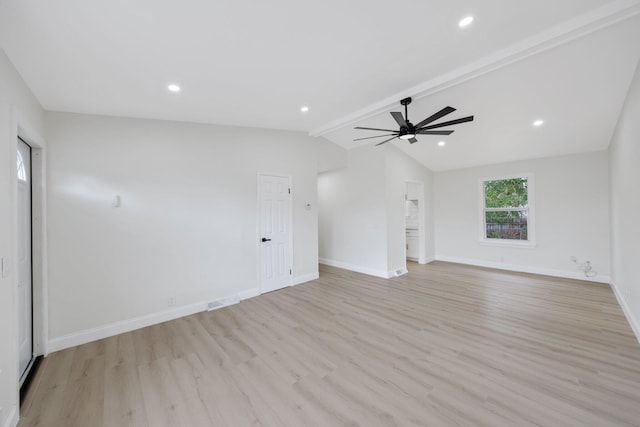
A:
[173,88]
[465,21]
[441,144]
[304,109]
[538,123]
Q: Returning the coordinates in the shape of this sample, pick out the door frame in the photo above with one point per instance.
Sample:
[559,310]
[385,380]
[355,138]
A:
[258,230]
[23,130]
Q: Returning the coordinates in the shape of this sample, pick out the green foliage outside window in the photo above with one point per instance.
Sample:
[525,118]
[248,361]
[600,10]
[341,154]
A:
[506,193]
[506,209]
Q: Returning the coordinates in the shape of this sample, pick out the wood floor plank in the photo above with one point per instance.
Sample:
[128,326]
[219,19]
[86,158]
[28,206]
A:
[83,401]
[123,402]
[444,345]
[164,403]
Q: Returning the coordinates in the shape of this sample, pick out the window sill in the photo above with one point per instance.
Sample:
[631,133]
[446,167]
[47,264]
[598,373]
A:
[508,244]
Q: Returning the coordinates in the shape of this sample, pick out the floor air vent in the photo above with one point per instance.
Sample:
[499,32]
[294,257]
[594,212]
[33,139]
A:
[400,272]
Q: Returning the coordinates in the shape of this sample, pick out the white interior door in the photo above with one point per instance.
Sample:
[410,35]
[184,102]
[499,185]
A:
[25,319]
[275,232]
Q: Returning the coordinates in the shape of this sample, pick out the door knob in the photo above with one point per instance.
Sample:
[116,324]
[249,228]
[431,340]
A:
[264,239]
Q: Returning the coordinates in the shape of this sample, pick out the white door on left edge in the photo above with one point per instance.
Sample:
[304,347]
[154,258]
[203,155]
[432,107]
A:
[275,232]
[25,317]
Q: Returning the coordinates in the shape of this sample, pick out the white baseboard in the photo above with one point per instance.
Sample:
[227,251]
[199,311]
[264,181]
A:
[357,268]
[12,417]
[305,278]
[250,293]
[123,326]
[426,260]
[633,321]
[526,269]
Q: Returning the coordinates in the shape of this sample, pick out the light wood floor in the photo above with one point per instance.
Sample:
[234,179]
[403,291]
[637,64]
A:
[445,345]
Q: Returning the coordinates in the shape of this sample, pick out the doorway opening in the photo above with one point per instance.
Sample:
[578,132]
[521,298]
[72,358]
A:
[30,259]
[414,232]
[25,259]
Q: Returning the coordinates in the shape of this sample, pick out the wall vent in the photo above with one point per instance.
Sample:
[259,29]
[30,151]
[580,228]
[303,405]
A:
[223,302]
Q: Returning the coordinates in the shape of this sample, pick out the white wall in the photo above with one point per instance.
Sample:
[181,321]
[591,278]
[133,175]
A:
[361,210]
[571,216]
[18,107]
[352,213]
[187,227]
[624,187]
[330,156]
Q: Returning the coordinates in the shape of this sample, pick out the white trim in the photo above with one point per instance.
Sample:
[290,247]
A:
[12,417]
[357,268]
[123,326]
[427,260]
[297,280]
[633,321]
[505,243]
[526,269]
[565,32]
[249,293]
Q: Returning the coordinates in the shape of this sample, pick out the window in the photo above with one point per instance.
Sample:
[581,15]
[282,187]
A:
[507,210]
[22,173]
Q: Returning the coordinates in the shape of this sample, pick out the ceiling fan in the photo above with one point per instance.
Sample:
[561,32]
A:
[408,130]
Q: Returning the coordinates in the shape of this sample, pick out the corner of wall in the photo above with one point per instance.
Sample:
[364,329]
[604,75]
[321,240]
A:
[298,280]
[12,418]
[357,268]
[330,156]
[631,318]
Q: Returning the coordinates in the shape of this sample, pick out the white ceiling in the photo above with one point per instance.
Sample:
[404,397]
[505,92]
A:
[252,63]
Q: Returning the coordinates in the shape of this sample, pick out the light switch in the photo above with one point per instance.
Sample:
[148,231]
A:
[5,266]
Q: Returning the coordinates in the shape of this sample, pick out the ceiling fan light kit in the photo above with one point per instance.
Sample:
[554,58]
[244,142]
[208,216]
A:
[408,131]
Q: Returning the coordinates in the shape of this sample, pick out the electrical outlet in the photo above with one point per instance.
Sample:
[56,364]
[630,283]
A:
[171,302]
[573,259]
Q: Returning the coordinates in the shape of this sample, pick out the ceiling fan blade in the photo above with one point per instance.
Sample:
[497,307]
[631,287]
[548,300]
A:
[378,136]
[381,130]
[412,140]
[398,117]
[384,142]
[434,132]
[452,122]
[436,116]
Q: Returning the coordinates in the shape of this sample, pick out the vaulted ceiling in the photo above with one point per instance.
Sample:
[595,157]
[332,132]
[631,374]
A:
[251,63]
